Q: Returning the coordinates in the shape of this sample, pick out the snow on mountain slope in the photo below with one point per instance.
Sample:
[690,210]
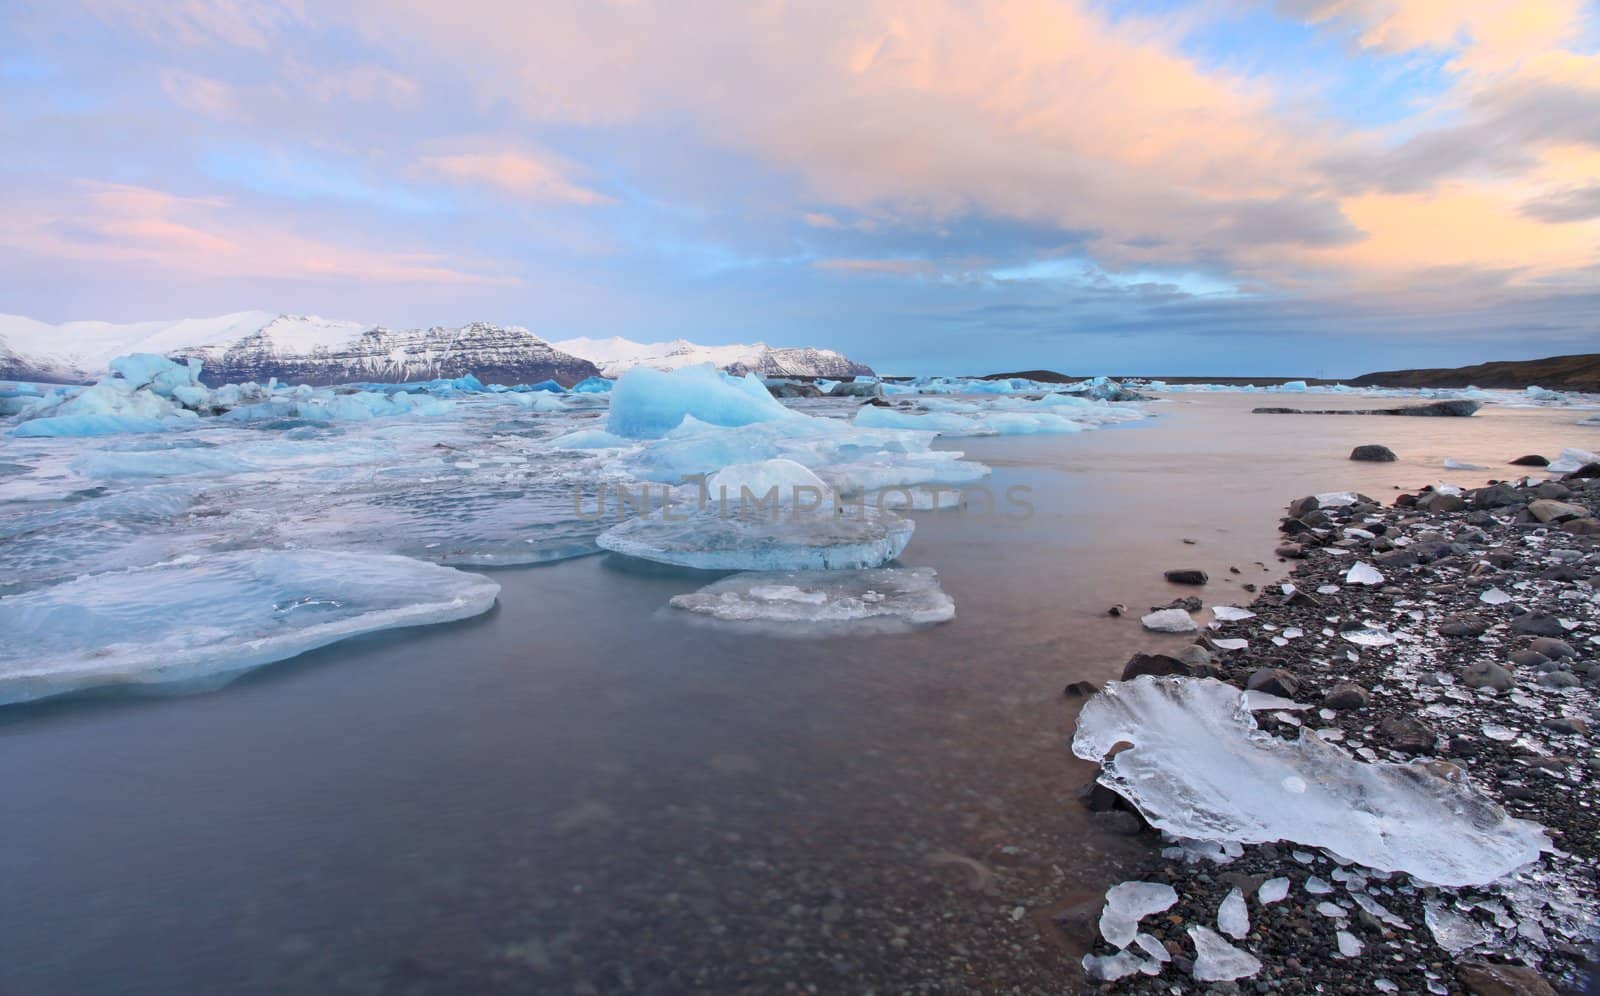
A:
[260,345]
[615,355]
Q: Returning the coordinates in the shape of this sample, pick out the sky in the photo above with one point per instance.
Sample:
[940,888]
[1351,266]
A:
[1254,187]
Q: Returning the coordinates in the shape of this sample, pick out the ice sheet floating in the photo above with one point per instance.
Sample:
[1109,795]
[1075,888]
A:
[203,620]
[872,599]
[1199,768]
[747,538]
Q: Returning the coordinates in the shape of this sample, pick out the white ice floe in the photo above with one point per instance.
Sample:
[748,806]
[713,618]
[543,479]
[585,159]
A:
[1233,643]
[1110,968]
[1198,768]
[1129,902]
[1456,932]
[1218,961]
[870,599]
[1494,596]
[1233,917]
[200,621]
[1363,573]
[1169,621]
[1273,890]
[1230,613]
[1451,464]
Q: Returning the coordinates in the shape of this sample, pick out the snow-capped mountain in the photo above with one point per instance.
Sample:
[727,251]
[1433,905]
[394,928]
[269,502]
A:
[260,345]
[615,355]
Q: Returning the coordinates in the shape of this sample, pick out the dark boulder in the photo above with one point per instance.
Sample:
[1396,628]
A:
[1346,696]
[1538,624]
[1464,626]
[1187,576]
[1273,681]
[1408,735]
[1531,460]
[1373,453]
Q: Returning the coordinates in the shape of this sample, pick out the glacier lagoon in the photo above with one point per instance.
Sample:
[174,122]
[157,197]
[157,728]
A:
[582,786]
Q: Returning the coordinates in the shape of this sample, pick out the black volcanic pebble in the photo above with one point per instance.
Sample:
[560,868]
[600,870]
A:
[1187,576]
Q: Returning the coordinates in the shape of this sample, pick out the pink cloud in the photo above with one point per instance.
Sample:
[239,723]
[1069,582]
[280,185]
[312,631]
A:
[521,174]
[200,93]
[194,238]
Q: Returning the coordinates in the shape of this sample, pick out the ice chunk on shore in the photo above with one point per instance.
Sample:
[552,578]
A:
[1110,968]
[1169,621]
[647,404]
[1363,573]
[1129,902]
[1273,890]
[1349,945]
[869,599]
[1230,613]
[1218,961]
[1233,918]
[200,621]
[1199,768]
[749,538]
[1570,460]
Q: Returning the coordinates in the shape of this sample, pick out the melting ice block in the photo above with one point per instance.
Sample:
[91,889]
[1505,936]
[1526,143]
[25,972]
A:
[203,620]
[1169,621]
[898,597]
[1363,573]
[1199,768]
[750,537]
[1233,917]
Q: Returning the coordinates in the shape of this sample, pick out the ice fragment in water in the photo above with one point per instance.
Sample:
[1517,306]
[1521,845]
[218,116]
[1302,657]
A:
[1230,613]
[873,599]
[1363,573]
[1199,768]
[1273,890]
[1453,464]
[1169,621]
[1494,596]
[1128,903]
[1218,961]
[200,621]
[1570,460]
[1233,918]
[1349,945]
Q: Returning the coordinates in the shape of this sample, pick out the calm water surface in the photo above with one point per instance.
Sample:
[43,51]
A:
[585,792]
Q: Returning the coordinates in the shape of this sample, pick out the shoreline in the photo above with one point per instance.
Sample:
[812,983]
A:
[1455,678]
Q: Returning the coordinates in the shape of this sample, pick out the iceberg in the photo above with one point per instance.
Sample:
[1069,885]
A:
[1199,768]
[647,404]
[872,600]
[750,536]
[199,621]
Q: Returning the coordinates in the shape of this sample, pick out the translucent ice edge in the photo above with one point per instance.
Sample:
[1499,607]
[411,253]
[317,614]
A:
[848,601]
[199,621]
[1200,768]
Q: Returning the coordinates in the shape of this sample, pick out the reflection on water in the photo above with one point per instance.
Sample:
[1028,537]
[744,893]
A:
[584,792]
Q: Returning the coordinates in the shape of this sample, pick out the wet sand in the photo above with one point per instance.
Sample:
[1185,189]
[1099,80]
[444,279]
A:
[585,792]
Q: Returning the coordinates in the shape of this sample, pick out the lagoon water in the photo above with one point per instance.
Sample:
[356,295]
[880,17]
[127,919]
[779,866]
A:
[586,791]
